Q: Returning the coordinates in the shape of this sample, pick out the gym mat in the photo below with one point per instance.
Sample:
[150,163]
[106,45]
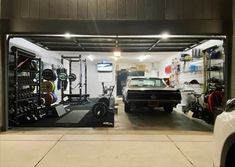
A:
[90,121]
[73,117]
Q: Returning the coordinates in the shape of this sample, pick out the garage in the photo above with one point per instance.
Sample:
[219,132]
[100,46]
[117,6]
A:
[74,80]
[117,83]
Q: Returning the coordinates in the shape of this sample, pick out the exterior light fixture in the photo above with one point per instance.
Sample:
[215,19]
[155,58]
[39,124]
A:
[165,36]
[117,53]
[67,35]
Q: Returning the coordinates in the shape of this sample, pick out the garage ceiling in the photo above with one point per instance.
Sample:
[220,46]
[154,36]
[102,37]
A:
[123,43]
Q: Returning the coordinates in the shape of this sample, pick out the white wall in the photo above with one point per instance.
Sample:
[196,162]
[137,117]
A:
[187,76]
[94,78]
[46,56]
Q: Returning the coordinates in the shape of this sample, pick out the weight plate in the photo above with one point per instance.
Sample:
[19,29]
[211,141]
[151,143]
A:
[32,88]
[54,97]
[62,76]
[47,86]
[49,75]
[99,110]
[72,77]
[48,98]
[43,101]
[53,86]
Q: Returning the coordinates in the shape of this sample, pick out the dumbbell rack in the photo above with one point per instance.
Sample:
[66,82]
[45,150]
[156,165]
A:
[24,88]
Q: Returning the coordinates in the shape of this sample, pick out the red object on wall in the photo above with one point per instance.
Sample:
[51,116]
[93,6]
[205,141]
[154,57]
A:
[168,69]
[215,99]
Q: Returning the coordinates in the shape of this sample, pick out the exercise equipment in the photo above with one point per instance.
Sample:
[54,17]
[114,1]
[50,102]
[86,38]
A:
[72,77]
[102,107]
[81,97]
[99,110]
[47,86]
[49,99]
[104,100]
[42,100]
[54,97]
[49,75]
[62,76]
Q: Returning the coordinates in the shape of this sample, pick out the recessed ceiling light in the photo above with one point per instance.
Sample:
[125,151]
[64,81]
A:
[165,36]
[67,35]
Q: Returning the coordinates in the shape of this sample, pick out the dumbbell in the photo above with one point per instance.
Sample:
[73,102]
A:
[12,111]
[12,96]
[28,118]
[21,110]
[28,109]
[17,111]
[34,117]
[20,96]
[23,95]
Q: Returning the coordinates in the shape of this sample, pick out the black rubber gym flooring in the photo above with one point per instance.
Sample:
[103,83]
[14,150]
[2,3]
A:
[88,120]
[78,116]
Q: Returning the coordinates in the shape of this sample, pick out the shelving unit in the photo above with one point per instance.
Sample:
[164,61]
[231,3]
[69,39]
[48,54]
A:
[24,87]
[214,79]
[214,70]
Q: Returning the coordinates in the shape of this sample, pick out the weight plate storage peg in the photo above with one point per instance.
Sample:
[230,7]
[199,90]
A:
[49,75]
[47,86]
[99,110]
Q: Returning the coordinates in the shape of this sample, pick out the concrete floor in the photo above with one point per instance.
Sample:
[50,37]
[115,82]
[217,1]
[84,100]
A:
[157,119]
[151,139]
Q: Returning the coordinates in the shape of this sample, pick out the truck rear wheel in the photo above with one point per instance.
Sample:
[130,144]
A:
[127,107]
[168,108]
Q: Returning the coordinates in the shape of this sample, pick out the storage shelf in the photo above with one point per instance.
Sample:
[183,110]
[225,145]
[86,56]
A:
[32,84]
[25,70]
[21,80]
[28,99]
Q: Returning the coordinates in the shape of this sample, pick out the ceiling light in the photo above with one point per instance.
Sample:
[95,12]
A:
[91,58]
[165,36]
[67,35]
[142,58]
[117,53]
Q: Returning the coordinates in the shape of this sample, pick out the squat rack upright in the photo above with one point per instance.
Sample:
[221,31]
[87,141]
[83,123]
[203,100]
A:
[81,97]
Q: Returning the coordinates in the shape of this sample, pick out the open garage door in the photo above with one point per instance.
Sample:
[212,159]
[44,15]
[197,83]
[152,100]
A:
[79,80]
